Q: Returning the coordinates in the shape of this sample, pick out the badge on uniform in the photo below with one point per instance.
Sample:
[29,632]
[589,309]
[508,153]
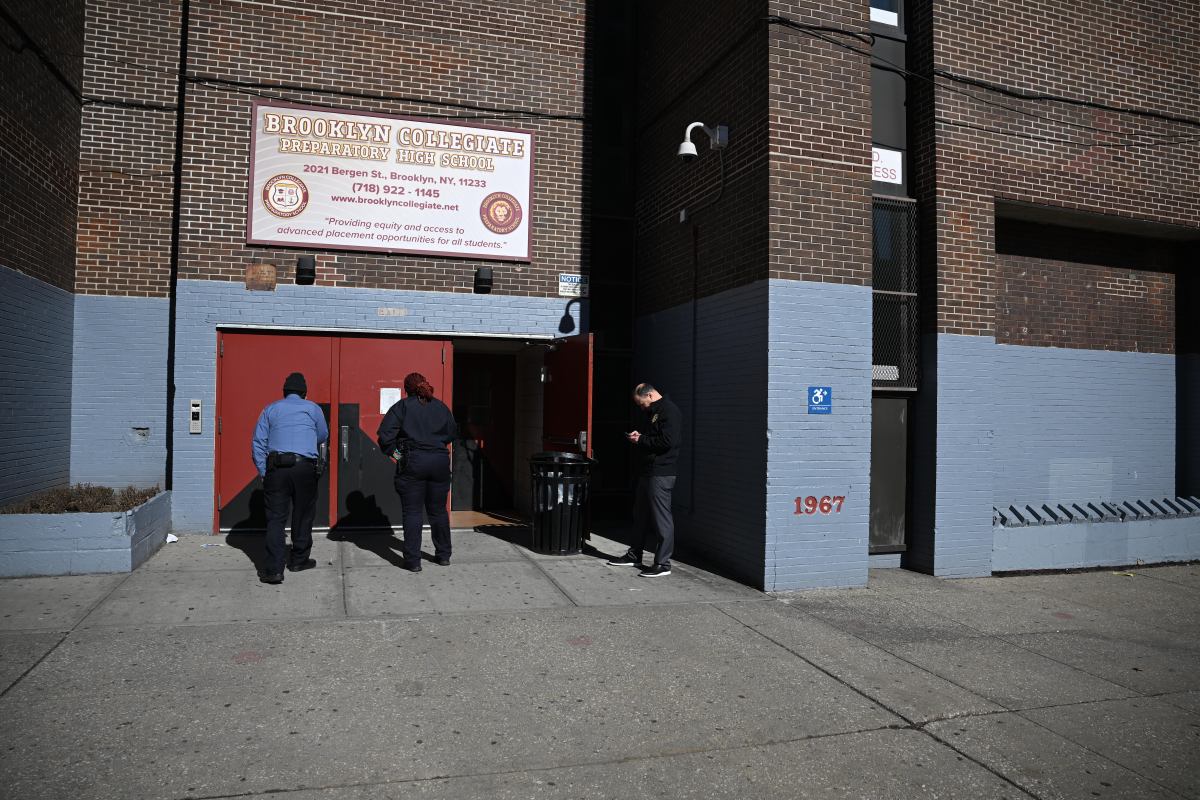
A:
[654,419]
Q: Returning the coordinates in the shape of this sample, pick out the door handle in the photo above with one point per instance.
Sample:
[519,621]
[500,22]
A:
[345,442]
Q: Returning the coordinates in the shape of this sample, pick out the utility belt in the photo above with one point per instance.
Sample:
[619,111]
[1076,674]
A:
[277,460]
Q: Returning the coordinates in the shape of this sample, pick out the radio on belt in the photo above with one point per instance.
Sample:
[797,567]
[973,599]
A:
[194,417]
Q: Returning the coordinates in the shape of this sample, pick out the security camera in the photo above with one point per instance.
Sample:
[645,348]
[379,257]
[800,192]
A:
[718,138]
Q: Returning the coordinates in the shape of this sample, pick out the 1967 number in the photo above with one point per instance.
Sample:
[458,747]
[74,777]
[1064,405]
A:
[824,505]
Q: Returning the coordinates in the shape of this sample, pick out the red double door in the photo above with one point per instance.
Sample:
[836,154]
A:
[354,379]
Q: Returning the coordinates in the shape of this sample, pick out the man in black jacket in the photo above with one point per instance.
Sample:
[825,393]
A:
[656,443]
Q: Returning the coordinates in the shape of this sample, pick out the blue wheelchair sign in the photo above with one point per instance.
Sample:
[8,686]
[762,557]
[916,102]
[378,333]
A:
[820,400]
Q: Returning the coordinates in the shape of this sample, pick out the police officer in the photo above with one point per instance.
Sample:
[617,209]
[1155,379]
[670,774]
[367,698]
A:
[415,432]
[656,443]
[286,446]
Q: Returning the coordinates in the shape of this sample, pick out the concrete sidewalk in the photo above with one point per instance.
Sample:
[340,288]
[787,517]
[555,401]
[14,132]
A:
[512,675]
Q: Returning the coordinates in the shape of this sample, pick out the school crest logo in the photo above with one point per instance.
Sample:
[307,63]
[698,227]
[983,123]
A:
[500,212]
[285,196]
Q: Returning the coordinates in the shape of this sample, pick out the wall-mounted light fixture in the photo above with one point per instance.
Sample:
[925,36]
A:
[306,270]
[718,138]
[483,280]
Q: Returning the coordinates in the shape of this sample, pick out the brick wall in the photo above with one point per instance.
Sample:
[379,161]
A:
[820,144]
[35,395]
[127,148]
[452,59]
[119,391]
[719,501]
[460,59]
[700,67]
[796,200]
[1134,60]
[1067,304]
[820,335]
[39,128]
[1073,425]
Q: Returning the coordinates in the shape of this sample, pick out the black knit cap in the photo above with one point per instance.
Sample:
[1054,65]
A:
[295,384]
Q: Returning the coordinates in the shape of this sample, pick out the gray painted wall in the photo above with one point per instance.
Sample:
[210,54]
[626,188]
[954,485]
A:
[202,306]
[719,501]
[119,391]
[78,544]
[1187,447]
[36,329]
[1096,544]
[1082,425]
[963,472]
[820,335]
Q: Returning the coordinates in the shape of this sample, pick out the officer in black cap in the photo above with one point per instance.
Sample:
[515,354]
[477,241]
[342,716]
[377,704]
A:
[286,450]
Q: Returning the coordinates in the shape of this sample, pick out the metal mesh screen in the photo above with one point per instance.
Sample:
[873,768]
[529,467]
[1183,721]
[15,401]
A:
[896,312]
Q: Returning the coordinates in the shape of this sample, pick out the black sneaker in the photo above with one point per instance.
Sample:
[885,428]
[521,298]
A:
[625,561]
[303,565]
[270,577]
[413,567]
[442,561]
[657,571]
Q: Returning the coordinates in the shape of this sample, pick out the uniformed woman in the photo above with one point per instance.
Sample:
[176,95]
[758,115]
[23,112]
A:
[415,433]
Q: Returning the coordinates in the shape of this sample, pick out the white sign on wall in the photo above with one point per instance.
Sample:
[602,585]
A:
[570,285]
[332,180]
[388,397]
[887,165]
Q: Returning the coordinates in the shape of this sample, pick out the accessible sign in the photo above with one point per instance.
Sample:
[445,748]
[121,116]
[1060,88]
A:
[337,181]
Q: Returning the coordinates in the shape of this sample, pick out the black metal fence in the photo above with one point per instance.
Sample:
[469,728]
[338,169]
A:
[895,363]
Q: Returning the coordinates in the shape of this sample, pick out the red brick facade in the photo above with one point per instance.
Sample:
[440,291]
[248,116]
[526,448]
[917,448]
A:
[820,186]
[127,151]
[709,68]
[39,128]
[461,59]
[977,145]
[796,202]
[1064,304]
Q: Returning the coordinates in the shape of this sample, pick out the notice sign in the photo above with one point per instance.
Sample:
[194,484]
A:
[388,397]
[332,180]
[820,400]
[570,285]
[887,166]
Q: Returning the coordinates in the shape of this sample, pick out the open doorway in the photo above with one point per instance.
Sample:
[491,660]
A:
[514,398]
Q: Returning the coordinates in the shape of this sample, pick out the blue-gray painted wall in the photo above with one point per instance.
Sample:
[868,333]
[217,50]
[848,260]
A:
[1076,425]
[203,306]
[719,500]
[1015,424]
[759,348]
[820,335]
[36,324]
[1187,447]
[119,391]
[955,540]
[1096,544]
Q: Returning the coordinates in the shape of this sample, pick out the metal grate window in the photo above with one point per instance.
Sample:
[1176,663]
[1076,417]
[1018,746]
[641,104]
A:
[896,310]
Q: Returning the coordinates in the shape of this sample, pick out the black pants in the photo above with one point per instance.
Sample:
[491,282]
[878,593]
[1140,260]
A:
[424,484]
[295,486]
[652,520]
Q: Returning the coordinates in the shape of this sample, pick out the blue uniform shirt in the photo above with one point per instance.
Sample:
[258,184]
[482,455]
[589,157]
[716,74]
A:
[290,425]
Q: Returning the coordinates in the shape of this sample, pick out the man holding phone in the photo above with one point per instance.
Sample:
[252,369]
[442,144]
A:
[656,443]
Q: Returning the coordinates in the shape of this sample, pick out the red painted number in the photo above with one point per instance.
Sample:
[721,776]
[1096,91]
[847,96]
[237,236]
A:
[826,504]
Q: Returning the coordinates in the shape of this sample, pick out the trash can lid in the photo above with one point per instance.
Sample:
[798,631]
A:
[556,457]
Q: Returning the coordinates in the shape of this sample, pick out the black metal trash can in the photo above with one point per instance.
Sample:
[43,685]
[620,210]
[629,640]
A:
[561,501]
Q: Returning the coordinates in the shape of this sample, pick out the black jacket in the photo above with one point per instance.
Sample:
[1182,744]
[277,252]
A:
[658,448]
[422,426]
